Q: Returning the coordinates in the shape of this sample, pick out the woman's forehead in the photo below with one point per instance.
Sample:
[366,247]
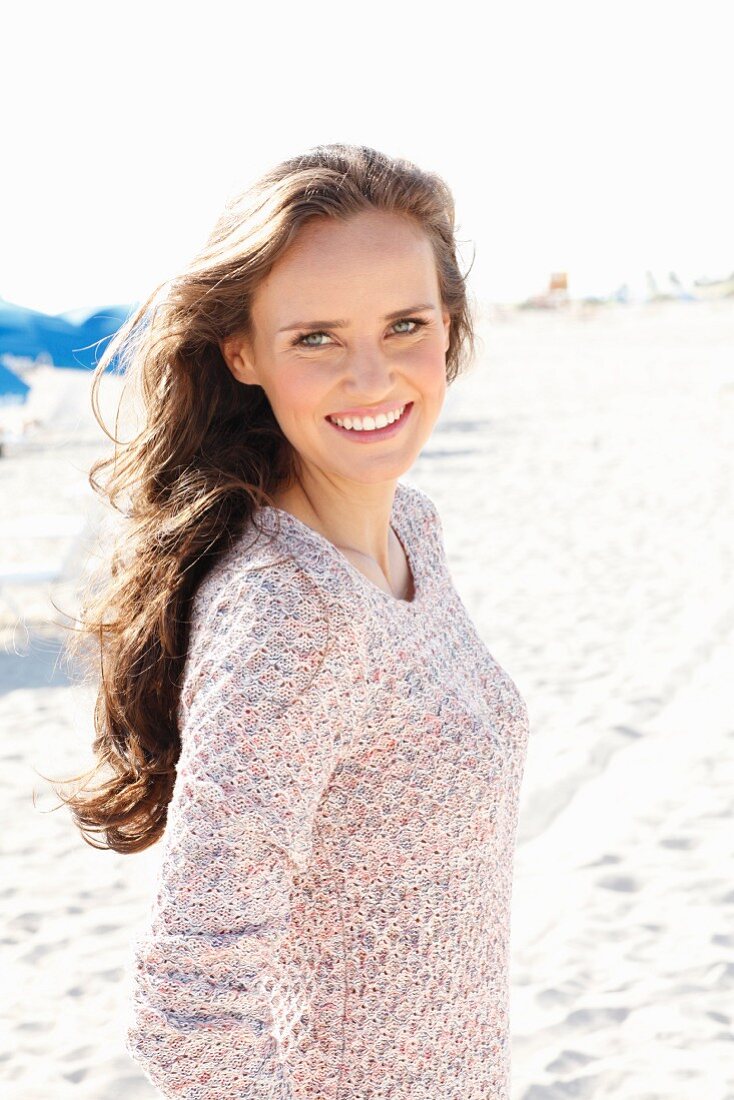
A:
[363,225]
[361,269]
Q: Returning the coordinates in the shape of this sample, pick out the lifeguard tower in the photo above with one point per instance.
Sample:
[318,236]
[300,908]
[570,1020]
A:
[558,289]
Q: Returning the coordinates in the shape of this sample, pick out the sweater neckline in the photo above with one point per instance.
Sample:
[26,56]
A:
[399,522]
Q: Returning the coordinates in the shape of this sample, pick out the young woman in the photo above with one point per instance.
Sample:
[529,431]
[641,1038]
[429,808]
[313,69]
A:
[294,696]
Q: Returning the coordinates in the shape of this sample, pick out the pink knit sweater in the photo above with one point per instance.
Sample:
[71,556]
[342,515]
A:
[332,913]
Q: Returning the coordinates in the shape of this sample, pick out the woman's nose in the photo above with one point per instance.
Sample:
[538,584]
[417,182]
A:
[370,367]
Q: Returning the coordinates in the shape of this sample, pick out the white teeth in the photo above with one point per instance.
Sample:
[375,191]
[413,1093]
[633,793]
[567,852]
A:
[368,423]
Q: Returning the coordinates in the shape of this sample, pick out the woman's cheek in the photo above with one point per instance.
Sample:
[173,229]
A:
[298,391]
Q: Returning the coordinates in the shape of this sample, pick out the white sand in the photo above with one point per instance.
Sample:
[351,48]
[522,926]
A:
[583,471]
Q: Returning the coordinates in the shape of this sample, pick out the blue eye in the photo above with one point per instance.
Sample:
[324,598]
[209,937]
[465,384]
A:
[303,339]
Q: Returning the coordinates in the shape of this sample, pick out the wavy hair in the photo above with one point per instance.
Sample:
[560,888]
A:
[208,454]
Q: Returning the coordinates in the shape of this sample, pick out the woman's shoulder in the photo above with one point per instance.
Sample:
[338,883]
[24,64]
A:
[255,580]
[256,610]
[418,502]
[421,513]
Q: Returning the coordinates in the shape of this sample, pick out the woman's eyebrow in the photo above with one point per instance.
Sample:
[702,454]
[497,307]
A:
[343,324]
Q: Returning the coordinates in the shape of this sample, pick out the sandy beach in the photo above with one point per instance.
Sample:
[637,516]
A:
[583,470]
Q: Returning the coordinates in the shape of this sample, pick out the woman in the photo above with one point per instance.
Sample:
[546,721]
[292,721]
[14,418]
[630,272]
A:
[294,696]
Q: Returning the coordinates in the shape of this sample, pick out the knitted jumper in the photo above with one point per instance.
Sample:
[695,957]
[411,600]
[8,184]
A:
[332,912]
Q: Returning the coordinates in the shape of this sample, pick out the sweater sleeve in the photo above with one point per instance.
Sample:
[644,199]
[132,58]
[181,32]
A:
[267,700]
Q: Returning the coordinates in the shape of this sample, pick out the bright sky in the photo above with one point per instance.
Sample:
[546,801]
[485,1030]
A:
[588,137]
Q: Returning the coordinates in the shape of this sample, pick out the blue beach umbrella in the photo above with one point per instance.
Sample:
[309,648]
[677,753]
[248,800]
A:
[13,390]
[28,332]
[73,339]
[93,330]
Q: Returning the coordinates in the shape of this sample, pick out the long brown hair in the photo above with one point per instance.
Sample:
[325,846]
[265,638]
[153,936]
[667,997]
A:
[209,453]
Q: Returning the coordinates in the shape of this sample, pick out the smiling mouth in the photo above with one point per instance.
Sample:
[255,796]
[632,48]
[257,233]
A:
[368,434]
[368,421]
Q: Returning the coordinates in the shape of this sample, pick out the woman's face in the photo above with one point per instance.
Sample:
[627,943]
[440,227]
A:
[350,319]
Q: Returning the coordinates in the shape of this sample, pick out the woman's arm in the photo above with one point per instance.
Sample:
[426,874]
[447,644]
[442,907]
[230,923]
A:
[268,699]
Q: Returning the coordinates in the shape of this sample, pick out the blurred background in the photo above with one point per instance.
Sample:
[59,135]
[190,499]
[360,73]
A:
[582,469]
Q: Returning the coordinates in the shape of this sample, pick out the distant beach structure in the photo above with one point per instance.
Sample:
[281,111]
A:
[556,295]
[665,288]
[559,284]
[715,288]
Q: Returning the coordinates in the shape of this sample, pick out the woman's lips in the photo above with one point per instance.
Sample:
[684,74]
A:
[377,433]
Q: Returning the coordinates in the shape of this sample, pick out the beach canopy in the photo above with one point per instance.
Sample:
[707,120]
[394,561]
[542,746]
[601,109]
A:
[13,390]
[28,332]
[93,330]
[74,339]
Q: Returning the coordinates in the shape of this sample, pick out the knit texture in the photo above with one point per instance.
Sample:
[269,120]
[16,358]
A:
[331,916]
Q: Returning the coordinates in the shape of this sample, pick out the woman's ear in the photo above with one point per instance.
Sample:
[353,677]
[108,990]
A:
[447,328]
[237,354]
